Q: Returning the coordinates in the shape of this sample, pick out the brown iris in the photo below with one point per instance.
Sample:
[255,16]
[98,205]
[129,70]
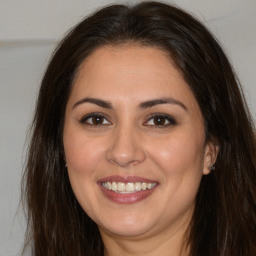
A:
[158,120]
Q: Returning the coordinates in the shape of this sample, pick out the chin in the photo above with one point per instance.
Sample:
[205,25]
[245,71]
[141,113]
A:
[125,231]
[127,226]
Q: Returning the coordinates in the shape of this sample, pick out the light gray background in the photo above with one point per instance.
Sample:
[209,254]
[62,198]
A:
[29,31]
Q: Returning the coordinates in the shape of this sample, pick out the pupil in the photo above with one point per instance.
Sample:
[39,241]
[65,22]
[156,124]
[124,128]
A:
[159,121]
[97,120]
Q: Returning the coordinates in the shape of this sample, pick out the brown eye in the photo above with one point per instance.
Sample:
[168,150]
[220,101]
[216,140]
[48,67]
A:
[160,120]
[95,119]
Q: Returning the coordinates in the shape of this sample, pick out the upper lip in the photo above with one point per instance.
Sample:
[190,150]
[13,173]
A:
[125,179]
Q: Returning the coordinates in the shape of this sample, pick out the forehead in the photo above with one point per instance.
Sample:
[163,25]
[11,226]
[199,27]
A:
[125,59]
[130,70]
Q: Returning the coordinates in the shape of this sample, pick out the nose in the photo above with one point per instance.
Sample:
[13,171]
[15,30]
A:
[126,147]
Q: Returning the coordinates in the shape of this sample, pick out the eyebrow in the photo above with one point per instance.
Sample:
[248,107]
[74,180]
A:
[154,102]
[143,105]
[99,102]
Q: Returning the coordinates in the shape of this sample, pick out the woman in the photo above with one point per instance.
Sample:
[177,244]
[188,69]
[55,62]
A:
[142,142]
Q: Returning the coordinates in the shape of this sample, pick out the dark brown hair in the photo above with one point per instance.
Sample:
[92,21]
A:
[224,221]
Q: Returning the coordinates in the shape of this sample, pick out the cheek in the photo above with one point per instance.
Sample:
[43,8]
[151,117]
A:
[179,151]
[179,157]
[181,163]
[82,153]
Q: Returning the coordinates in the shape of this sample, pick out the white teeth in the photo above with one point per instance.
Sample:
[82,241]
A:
[137,186]
[121,186]
[149,186]
[109,185]
[144,186]
[130,187]
[114,186]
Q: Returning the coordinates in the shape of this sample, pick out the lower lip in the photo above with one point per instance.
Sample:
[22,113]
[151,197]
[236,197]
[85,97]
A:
[127,198]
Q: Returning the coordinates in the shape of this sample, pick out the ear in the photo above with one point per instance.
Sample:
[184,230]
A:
[210,155]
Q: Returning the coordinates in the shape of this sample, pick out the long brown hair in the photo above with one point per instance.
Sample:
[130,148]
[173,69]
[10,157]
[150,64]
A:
[224,220]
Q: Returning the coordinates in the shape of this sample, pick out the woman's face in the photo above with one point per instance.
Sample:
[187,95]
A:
[134,142]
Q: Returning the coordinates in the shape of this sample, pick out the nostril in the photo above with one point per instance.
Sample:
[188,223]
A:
[126,148]
[124,163]
[124,159]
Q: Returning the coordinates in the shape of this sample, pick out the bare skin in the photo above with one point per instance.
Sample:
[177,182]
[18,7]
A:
[131,116]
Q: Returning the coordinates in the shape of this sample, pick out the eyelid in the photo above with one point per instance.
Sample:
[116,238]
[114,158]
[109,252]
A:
[168,117]
[95,114]
[171,121]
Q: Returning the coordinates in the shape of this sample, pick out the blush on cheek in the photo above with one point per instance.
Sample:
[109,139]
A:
[83,157]
[80,164]
[178,157]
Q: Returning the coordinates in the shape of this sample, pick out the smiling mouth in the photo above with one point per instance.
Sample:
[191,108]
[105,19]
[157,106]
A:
[128,187]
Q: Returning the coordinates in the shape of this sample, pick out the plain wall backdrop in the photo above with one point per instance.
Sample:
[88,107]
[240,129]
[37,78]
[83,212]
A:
[29,31]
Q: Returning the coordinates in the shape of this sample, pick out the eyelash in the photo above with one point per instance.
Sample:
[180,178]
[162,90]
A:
[160,116]
[85,119]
